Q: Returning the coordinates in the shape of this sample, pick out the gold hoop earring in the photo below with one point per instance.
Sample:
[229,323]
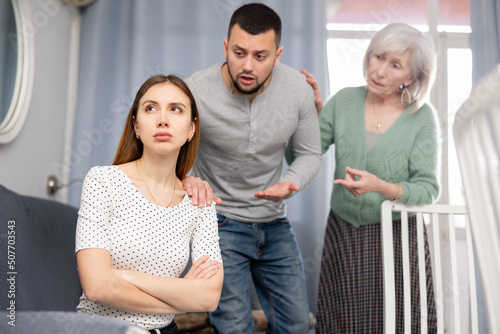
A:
[405,95]
[137,136]
[189,139]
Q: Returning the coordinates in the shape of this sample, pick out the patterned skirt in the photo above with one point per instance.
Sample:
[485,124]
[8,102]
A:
[351,290]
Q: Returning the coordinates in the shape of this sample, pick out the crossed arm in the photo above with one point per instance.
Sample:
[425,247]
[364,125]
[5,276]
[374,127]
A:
[133,291]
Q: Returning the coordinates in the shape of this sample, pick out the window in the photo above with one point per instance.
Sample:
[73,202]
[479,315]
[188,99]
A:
[459,78]
[370,15]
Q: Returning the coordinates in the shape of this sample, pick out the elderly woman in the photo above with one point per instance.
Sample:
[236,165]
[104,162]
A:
[386,147]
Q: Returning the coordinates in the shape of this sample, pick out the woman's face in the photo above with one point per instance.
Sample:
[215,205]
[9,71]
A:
[163,119]
[387,72]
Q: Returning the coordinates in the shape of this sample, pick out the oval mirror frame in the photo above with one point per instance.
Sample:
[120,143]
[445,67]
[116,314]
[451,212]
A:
[19,106]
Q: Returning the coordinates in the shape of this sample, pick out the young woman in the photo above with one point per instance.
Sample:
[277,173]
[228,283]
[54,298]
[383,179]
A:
[136,222]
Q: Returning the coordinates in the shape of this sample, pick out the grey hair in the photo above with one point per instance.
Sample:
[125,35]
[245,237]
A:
[398,38]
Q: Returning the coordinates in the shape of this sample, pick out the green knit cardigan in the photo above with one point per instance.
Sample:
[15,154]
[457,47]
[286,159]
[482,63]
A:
[407,154]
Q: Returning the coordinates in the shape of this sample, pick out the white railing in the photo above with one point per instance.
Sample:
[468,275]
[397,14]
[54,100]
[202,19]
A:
[440,218]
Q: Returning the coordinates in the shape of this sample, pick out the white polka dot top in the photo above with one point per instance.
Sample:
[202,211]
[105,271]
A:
[140,235]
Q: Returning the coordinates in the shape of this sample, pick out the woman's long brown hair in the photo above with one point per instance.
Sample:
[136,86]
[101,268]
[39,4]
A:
[130,148]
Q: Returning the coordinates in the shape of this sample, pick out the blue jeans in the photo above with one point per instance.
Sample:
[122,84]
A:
[269,251]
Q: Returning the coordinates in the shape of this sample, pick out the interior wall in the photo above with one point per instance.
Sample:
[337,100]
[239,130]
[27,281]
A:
[39,149]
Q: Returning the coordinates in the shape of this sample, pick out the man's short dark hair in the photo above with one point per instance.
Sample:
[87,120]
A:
[255,19]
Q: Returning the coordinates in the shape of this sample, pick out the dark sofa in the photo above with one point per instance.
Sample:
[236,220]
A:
[39,284]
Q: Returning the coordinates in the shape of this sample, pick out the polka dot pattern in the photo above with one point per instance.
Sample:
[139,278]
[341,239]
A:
[140,235]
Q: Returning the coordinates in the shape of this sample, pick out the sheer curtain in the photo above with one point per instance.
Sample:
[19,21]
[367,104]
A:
[125,41]
[485,36]
[485,46]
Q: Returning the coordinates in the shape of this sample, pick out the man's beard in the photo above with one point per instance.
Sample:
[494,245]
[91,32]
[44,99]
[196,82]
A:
[236,85]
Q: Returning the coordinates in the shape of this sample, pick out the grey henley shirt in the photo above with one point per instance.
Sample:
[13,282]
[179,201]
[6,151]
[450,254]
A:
[242,143]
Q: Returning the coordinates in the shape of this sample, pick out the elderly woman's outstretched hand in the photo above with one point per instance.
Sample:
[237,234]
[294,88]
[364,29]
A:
[359,182]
